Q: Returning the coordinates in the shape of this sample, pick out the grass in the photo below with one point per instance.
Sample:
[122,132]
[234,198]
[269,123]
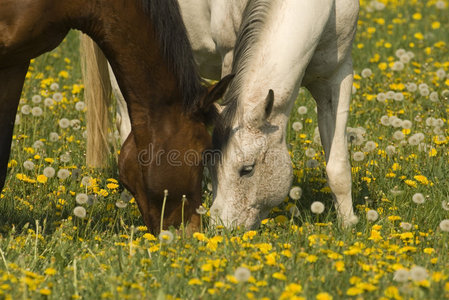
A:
[47,252]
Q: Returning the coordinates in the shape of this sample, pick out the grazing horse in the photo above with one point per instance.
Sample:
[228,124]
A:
[272,48]
[146,43]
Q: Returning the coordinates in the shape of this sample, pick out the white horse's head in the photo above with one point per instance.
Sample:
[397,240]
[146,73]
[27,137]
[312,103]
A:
[254,172]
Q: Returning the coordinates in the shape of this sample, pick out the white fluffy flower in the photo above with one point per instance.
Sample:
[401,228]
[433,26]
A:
[201,210]
[79,106]
[49,102]
[63,174]
[57,97]
[64,123]
[29,165]
[398,135]
[36,99]
[434,97]
[445,204]
[366,72]
[317,207]
[295,193]
[390,150]
[54,86]
[53,137]
[372,215]
[86,181]
[302,110]
[310,152]
[401,275]
[406,124]
[80,212]
[49,172]
[418,198]
[38,144]
[121,204]
[242,274]
[26,109]
[406,226]
[444,225]
[81,198]
[358,156]
[165,237]
[418,273]
[381,97]
[297,126]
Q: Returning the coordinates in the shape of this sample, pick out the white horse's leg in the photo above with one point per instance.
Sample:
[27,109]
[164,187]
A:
[333,98]
[123,122]
[226,66]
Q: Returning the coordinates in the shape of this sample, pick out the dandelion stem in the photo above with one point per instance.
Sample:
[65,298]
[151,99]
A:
[184,199]
[163,209]
[4,260]
[35,241]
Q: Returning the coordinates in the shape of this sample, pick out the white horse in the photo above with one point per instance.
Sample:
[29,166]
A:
[280,45]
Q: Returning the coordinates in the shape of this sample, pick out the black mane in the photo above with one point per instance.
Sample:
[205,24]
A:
[172,35]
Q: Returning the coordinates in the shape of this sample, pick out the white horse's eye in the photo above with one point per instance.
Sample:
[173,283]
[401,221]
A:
[246,170]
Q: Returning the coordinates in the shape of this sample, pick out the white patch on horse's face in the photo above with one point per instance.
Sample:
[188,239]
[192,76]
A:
[254,175]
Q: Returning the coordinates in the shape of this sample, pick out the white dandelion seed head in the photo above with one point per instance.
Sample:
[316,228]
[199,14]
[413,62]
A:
[395,122]
[80,212]
[53,137]
[397,66]
[398,97]
[38,144]
[423,86]
[26,109]
[445,94]
[80,105]
[201,210]
[372,215]
[209,187]
[312,163]
[310,152]
[424,92]
[390,150]
[36,99]
[390,95]
[317,207]
[302,110]
[49,102]
[438,131]
[297,126]
[242,274]
[28,165]
[401,275]
[381,97]
[54,86]
[445,204]
[441,74]
[418,273]
[410,54]
[370,146]
[86,181]
[121,204]
[295,193]
[430,121]
[57,97]
[64,123]
[444,225]
[81,198]
[413,140]
[420,136]
[63,174]
[385,120]
[434,97]
[75,124]
[440,4]
[398,135]
[405,59]
[378,5]
[49,172]
[438,123]
[166,237]
[65,158]
[405,226]
[400,52]
[418,198]
[366,72]
[406,124]
[358,156]
[411,87]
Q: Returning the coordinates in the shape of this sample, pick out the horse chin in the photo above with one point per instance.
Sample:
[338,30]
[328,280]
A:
[246,218]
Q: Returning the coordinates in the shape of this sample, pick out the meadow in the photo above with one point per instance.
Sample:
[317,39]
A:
[70,232]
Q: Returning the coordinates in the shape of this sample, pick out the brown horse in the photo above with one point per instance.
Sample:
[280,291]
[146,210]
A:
[146,43]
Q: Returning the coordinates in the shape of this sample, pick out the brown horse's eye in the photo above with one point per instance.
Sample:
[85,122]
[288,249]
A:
[246,170]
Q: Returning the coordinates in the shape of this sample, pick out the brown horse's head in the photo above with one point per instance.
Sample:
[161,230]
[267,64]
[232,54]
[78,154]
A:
[173,161]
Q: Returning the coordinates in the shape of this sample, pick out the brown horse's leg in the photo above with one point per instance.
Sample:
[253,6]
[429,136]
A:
[11,83]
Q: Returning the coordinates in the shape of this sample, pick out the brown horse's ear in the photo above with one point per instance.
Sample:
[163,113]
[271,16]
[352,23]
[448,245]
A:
[215,92]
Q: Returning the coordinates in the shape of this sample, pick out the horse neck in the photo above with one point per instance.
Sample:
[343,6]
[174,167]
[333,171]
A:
[127,37]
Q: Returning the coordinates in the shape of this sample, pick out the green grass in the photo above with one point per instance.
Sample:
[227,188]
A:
[47,252]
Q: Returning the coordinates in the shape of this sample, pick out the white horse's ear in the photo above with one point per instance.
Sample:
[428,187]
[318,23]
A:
[262,112]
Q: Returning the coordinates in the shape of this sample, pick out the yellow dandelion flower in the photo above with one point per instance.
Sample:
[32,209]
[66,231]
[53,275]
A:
[323,296]
[42,179]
